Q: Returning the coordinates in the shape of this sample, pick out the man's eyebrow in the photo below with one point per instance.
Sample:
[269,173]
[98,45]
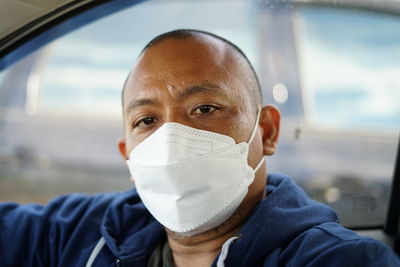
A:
[206,87]
[138,103]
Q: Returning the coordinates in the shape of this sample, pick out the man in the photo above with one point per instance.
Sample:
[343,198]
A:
[195,138]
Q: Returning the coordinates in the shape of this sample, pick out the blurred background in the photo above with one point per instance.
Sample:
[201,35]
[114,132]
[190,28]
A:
[333,71]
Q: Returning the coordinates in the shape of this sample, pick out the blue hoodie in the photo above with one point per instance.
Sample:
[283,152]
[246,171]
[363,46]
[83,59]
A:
[286,229]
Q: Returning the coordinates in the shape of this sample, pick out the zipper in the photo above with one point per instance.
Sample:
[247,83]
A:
[118,262]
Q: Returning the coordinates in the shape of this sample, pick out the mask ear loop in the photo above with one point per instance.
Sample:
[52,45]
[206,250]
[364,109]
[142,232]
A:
[253,133]
[259,164]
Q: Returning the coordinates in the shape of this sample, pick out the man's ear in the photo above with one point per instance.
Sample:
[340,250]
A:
[122,148]
[270,122]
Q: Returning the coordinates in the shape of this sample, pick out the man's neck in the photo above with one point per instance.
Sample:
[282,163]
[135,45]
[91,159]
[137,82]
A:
[197,250]
[201,249]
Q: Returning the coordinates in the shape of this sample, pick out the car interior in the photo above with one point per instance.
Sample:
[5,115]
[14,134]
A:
[327,65]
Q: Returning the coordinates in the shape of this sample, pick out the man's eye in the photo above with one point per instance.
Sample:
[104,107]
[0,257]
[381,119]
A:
[145,121]
[204,109]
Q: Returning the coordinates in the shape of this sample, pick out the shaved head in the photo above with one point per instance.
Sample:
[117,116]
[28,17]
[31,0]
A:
[248,74]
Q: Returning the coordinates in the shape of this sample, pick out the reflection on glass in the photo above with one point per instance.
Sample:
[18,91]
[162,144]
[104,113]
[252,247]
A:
[63,136]
[86,69]
[350,66]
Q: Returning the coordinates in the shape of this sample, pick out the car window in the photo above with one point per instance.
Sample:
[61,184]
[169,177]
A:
[61,135]
[348,69]
[349,62]
[2,74]
[84,71]
[334,80]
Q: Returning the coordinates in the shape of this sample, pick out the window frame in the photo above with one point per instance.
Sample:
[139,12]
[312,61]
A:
[54,24]
[392,225]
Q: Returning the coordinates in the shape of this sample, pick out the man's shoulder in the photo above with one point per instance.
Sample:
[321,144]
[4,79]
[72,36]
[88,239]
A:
[333,234]
[64,208]
[77,200]
[333,245]
[82,203]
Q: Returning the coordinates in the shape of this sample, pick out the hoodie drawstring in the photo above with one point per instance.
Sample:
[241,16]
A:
[95,252]
[224,251]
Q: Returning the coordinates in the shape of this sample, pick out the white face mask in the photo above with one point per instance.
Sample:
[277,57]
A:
[191,180]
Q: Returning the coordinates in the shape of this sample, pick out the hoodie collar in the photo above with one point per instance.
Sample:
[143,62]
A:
[131,232]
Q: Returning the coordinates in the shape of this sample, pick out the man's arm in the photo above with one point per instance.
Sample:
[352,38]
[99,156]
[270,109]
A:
[39,235]
[332,245]
[363,252]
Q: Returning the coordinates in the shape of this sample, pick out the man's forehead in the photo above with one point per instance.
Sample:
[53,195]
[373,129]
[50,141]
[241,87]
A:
[197,58]
[186,62]
[151,97]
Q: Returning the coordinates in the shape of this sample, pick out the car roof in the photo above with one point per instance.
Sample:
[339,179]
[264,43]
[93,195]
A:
[17,14]
[29,24]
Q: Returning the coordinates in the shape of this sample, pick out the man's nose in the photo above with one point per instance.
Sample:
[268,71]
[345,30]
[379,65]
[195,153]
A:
[177,115]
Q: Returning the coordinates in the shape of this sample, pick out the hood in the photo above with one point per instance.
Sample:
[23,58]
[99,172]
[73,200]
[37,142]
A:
[284,214]
[131,232]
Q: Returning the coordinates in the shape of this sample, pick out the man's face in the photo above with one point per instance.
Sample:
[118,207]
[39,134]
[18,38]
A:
[193,81]
[199,82]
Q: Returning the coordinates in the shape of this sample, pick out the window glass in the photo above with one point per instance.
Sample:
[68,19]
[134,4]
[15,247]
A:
[350,68]
[345,145]
[61,135]
[2,74]
[85,70]
[62,105]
